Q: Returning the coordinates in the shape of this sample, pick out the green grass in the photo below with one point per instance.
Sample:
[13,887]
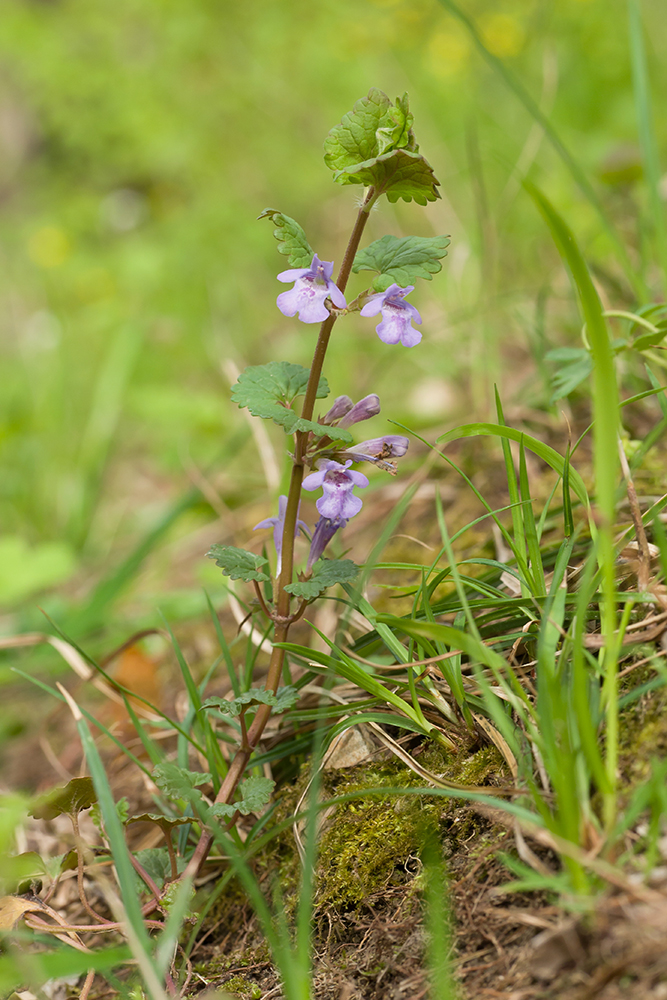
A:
[144,147]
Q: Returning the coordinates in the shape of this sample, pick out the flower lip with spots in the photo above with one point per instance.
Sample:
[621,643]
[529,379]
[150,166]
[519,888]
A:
[312,286]
[337,482]
[397,316]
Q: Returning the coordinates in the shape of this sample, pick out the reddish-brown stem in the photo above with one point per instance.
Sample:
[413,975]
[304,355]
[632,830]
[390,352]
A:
[282,606]
[79,872]
[143,874]
[260,598]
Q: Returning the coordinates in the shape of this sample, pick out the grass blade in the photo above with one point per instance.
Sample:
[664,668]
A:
[552,135]
[651,162]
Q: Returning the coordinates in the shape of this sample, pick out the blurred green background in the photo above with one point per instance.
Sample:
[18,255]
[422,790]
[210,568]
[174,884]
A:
[139,141]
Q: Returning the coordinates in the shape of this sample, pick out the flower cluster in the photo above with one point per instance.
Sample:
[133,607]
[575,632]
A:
[336,479]
[312,297]
[314,285]
[344,414]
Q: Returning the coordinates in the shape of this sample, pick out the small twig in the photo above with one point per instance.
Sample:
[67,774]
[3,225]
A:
[644,570]
[299,612]
[79,873]
[142,873]
[170,850]
[85,989]
[260,598]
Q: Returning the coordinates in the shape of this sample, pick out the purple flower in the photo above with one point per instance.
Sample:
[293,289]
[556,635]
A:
[341,406]
[325,529]
[337,481]
[366,408]
[312,286]
[378,450]
[278,525]
[397,316]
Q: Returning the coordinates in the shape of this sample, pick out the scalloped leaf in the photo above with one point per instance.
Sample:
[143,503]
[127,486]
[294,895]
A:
[166,822]
[280,702]
[402,260]
[398,174]
[255,793]
[277,381]
[239,564]
[326,573]
[291,238]
[268,391]
[178,782]
[72,798]
[373,127]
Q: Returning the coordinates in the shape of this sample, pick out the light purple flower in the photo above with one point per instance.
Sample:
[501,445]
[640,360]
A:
[397,316]
[337,482]
[312,286]
[378,450]
[325,529]
[341,406]
[278,525]
[366,408]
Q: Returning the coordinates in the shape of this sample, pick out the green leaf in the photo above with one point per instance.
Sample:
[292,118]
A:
[165,822]
[399,174]
[399,134]
[291,238]
[268,391]
[326,573]
[255,793]
[122,811]
[77,794]
[238,564]
[178,782]
[20,871]
[284,699]
[374,145]
[648,340]
[155,861]
[402,260]
[374,126]
[275,382]
[576,365]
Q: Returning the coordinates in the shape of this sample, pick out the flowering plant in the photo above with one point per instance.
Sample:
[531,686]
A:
[374,146]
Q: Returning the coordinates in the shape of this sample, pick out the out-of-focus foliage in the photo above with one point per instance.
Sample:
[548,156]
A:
[138,144]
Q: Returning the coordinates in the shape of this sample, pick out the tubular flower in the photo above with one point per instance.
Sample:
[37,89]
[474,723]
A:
[325,529]
[341,406]
[397,316]
[312,286]
[378,450]
[366,408]
[278,525]
[337,481]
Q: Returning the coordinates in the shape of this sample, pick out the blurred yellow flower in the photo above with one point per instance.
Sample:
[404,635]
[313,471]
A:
[49,247]
[503,35]
[449,51]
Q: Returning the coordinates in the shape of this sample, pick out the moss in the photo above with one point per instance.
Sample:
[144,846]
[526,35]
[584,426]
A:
[643,732]
[241,988]
[367,846]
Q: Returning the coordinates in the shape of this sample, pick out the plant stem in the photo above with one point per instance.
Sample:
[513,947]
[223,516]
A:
[281,616]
